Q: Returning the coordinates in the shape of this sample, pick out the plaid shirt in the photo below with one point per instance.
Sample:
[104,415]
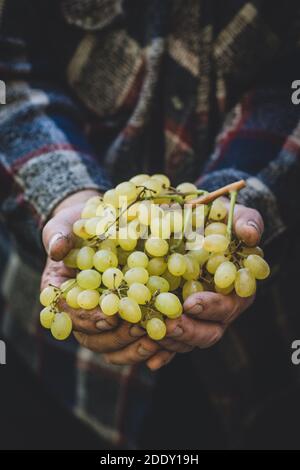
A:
[99,90]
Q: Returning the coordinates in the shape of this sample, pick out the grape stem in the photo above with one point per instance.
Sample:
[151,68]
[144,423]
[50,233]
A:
[233,196]
[210,197]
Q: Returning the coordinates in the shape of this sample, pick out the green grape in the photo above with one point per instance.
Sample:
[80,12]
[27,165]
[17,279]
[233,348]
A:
[225,274]
[187,188]
[168,304]
[109,244]
[139,292]
[157,283]
[61,326]
[153,187]
[129,310]
[177,264]
[201,255]
[65,287]
[174,281]
[89,279]
[47,317]
[104,259]
[112,278]
[144,212]
[111,198]
[101,210]
[163,179]
[218,210]
[127,190]
[215,228]
[109,304]
[138,180]
[72,296]
[160,227]
[157,247]
[226,291]
[192,271]
[257,266]
[85,258]
[198,216]
[132,211]
[88,299]
[156,266]
[136,275]
[127,244]
[79,229]
[91,226]
[71,259]
[88,211]
[214,262]
[190,288]
[138,259]
[245,284]
[216,243]
[48,295]
[156,329]
[194,242]
[94,200]
[252,250]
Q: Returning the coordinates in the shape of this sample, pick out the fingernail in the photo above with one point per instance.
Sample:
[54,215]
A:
[136,331]
[177,332]
[143,352]
[253,224]
[103,325]
[52,241]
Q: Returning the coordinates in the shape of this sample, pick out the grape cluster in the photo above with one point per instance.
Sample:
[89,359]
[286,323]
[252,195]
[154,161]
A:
[144,247]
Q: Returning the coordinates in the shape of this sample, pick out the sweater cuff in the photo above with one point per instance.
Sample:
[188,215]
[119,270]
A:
[256,195]
[50,178]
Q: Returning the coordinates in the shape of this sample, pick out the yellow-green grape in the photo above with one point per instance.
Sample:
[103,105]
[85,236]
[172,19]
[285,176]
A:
[91,226]
[61,326]
[96,200]
[127,244]
[215,227]
[252,250]
[48,295]
[138,180]
[85,258]
[101,209]
[194,242]
[192,271]
[257,266]
[111,198]
[89,279]
[218,210]
[138,259]
[198,216]
[72,297]
[47,317]
[156,247]
[187,188]
[66,285]
[136,275]
[88,299]
[109,244]
[156,329]
[174,281]
[191,287]
[127,190]
[71,259]
[163,179]
[160,227]
[225,274]
[214,262]
[88,211]
[245,284]
[216,243]
[175,221]
[79,229]
[122,255]
[144,212]
[156,266]
[157,283]
[109,304]
[139,292]
[177,264]
[168,304]
[104,259]
[153,187]
[129,310]
[201,255]
[226,291]
[132,211]
[112,278]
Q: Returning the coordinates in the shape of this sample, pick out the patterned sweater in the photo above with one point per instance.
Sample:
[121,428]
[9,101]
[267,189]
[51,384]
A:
[99,90]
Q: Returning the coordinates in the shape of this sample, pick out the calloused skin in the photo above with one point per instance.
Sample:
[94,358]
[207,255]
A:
[206,315]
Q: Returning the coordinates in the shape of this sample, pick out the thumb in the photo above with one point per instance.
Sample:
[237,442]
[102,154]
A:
[248,225]
[58,237]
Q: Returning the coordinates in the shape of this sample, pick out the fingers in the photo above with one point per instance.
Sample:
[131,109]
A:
[110,341]
[139,351]
[56,273]
[248,225]
[215,307]
[160,359]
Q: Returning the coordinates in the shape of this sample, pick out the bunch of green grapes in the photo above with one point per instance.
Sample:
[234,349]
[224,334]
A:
[139,255]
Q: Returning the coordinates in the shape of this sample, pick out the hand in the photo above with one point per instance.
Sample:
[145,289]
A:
[208,314]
